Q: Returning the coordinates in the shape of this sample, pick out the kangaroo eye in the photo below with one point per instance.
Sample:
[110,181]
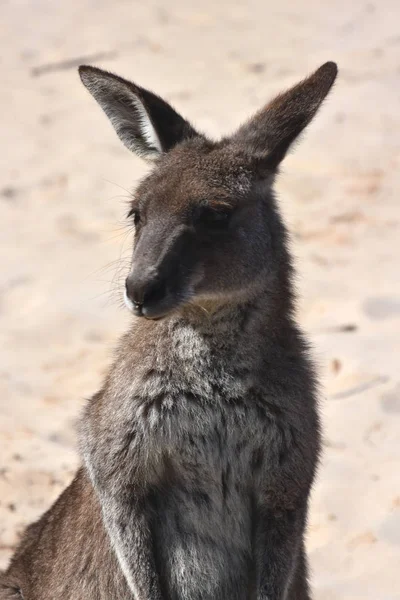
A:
[133,213]
[215,218]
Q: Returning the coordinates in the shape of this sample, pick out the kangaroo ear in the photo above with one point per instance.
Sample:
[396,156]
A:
[270,133]
[144,122]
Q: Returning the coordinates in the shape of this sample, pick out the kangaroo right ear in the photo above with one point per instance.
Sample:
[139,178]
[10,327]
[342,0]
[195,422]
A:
[145,123]
[271,132]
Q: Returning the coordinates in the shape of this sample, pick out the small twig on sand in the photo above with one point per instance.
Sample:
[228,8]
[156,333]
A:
[345,328]
[70,63]
[362,387]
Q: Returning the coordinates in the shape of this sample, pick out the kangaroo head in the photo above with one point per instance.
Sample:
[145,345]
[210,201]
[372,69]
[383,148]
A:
[206,223]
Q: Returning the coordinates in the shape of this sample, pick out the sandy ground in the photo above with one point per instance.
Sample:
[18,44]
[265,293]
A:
[64,246]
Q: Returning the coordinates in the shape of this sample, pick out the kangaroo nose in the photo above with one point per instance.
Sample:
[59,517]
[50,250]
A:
[143,290]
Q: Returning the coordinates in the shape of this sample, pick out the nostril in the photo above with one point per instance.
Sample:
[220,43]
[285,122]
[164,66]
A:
[134,292]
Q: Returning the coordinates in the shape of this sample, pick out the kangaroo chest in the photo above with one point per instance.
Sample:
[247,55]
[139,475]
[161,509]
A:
[199,405]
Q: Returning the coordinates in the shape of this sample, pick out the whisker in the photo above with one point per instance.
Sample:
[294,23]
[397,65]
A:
[118,185]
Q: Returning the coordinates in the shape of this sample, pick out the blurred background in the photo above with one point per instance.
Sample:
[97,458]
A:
[64,184]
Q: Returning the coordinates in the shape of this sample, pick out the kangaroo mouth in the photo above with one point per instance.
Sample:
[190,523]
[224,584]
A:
[158,308]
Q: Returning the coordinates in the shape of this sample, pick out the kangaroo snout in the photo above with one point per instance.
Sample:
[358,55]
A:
[160,279]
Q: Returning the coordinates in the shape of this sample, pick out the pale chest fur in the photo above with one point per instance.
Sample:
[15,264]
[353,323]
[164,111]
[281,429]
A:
[193,391]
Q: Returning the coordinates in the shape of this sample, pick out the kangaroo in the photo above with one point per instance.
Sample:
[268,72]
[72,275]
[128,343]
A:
[200,450]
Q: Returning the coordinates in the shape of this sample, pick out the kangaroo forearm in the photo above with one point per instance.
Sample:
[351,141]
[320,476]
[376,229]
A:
[117,473]
[130,535]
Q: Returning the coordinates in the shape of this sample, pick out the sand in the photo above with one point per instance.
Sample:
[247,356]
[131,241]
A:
[65,246]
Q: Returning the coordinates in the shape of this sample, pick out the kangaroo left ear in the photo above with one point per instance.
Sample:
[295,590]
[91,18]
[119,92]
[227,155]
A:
[144,122]
[270,133]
